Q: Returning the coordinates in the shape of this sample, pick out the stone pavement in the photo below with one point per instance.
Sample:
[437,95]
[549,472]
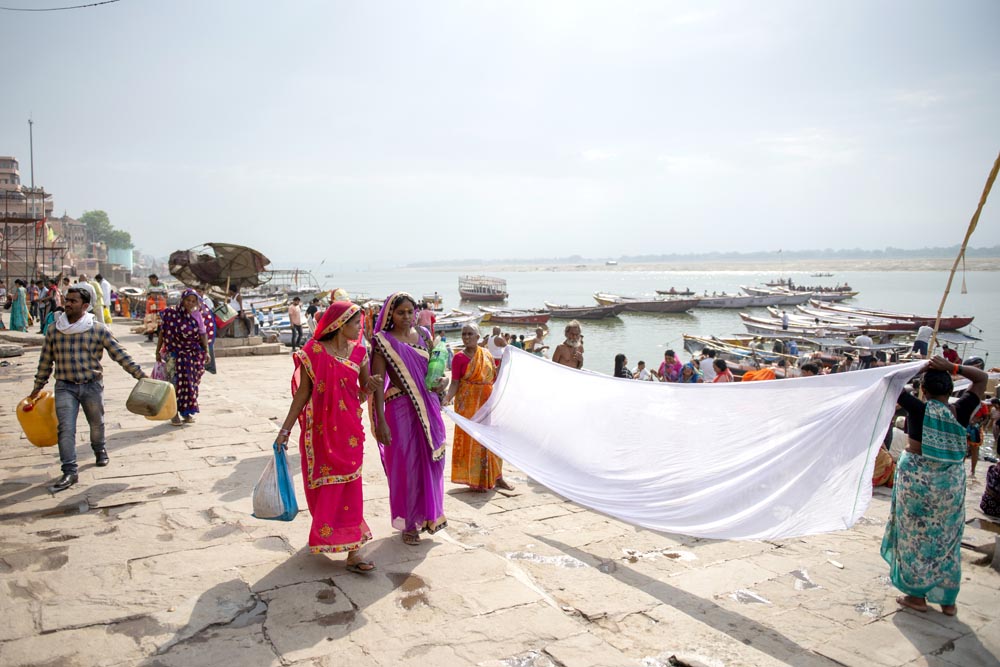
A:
[155,560]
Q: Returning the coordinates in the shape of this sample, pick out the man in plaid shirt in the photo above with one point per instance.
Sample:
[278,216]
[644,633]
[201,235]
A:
[75,344]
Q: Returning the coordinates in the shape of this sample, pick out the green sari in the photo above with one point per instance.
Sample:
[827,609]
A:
[923,538]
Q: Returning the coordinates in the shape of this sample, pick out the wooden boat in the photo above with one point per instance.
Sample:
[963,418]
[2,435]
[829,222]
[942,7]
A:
[637,305]
[455,320]
[482,288]
[740,301]
[674,292]
[833,295]
[787,298]
[947,323]
[821,275]
[870,324]
[769,326]
[584,312]
[435,301]
[505,316]
[734,352]
[844,318]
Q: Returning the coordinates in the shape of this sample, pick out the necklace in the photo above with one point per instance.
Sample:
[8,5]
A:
[339,351]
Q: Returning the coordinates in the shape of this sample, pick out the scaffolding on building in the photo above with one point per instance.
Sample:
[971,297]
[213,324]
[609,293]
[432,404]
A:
[26,249]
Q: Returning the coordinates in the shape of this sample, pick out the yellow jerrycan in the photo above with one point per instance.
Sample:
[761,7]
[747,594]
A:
[169,408]
[149,397]
[38,419]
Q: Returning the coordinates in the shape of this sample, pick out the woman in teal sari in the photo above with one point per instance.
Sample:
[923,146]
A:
[19,307]
[923,538]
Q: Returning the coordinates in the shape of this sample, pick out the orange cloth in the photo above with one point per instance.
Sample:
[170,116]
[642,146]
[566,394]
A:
[885,469]
[471,463]
[762,374]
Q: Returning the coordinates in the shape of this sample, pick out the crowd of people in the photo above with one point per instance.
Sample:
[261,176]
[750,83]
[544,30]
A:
[343,366]
[35,302]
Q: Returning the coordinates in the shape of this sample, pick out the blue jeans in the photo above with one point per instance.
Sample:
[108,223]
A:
[69,399]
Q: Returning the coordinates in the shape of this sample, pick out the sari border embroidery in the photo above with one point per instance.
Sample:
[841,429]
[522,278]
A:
[342,320]
[340,548]
[410,388]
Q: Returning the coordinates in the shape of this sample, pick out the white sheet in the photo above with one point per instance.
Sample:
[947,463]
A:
[731,461]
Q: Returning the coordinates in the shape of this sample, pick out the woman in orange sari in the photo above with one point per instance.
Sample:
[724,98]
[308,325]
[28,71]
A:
[885,469]
[331,375]
[472,372]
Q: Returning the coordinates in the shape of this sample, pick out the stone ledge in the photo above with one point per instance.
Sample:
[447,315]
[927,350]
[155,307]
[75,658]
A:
[249,350]
[222,343]
[11,350]
[29,338]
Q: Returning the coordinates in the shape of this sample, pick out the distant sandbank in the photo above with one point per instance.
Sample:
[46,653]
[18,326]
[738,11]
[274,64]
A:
[792,266]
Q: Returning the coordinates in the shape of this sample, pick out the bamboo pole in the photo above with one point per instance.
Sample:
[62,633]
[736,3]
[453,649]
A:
[961,252]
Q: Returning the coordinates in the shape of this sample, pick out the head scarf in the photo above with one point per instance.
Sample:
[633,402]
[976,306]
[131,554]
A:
[384,320]
[185,294]
[337,315]
[694,374]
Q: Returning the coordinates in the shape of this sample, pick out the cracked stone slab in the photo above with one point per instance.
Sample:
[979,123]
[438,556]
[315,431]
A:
[220,646]
[85,647]
[311,620]
[219,557]
[588,650]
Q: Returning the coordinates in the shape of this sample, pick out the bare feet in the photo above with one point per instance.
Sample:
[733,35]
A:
[916,604]
[504,484]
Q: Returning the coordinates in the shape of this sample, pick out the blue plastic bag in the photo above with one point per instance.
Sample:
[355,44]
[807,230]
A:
[274,493]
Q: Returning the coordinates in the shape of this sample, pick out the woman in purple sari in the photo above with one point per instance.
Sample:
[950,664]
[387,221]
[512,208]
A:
[408,424]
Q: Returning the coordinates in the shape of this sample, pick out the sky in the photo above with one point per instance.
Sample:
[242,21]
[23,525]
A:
[399,131]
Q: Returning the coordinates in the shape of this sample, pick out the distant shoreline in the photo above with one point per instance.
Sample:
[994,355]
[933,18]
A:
[778,268]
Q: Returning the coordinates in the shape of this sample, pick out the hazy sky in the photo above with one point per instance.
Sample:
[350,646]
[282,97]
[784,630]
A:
[432,130]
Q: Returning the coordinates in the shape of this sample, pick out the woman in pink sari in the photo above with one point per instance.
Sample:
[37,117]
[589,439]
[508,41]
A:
[330,371]
[408,422]
[722,372]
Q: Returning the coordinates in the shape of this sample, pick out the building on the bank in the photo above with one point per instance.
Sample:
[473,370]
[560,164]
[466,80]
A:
[28,247]
[72,232]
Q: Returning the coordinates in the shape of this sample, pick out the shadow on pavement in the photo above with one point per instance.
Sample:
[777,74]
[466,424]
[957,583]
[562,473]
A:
[294,610]
[745,630]
[918,629]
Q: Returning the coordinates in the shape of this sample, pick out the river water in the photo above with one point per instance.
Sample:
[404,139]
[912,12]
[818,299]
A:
[646,336]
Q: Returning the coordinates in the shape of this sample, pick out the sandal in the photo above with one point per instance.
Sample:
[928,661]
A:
[360,566]
[949,609]
[504,484]
[908,602]
[176,420]
[411,537]
[189,419]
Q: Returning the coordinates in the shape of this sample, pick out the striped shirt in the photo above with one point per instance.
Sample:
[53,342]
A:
[77,357]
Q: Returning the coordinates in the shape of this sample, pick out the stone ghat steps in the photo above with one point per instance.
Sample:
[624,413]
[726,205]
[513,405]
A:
[251,346]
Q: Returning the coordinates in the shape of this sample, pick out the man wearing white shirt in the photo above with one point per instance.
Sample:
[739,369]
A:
[707,364]
[924,334]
